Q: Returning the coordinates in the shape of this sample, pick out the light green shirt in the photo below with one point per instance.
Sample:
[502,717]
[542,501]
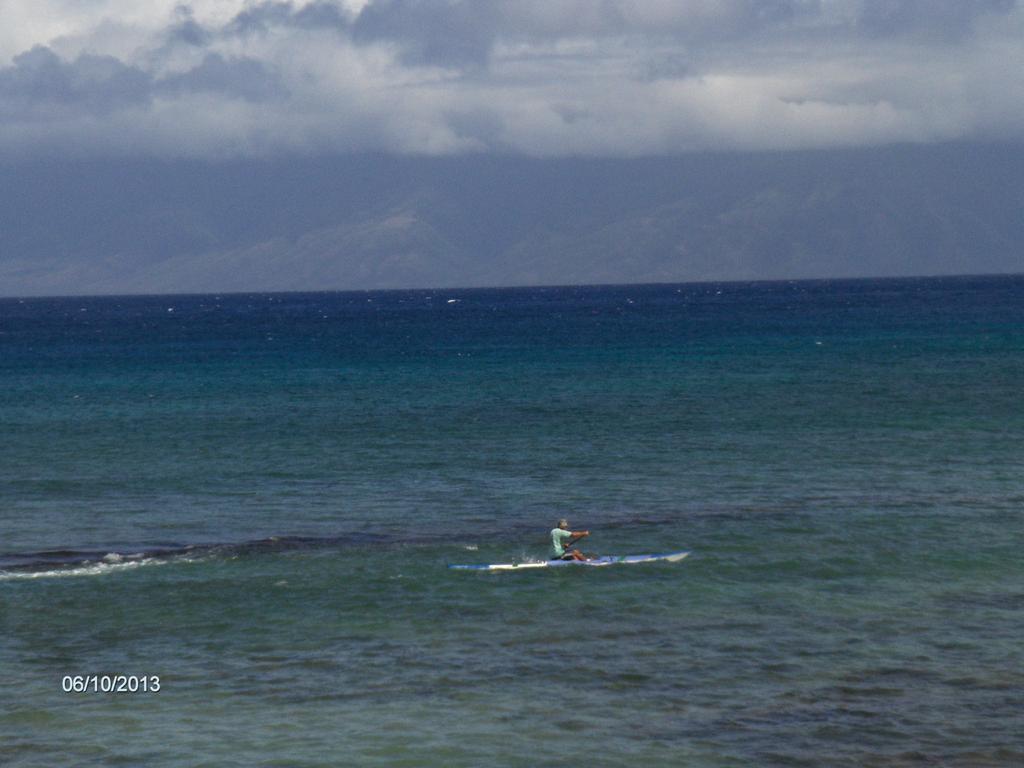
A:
[558,539]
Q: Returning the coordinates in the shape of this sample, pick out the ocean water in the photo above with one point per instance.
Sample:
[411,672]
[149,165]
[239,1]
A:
[254,499]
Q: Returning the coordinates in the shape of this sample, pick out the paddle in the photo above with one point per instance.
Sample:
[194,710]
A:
[569,544]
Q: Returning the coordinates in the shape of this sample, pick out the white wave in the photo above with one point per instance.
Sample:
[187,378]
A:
[100,568]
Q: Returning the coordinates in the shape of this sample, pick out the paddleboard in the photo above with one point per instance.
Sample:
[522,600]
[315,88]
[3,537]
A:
[672,557]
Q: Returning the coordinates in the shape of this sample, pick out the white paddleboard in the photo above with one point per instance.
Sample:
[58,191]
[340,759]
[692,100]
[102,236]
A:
[672,557]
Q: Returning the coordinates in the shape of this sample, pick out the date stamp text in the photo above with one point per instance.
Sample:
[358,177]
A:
[110,684]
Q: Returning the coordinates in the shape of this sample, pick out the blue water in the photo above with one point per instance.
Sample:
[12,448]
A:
[255,498]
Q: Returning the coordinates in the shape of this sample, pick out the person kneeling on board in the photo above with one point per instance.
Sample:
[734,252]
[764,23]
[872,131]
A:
[562,540]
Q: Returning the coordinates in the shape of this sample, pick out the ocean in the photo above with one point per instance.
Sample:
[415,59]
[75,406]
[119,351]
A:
[249,502]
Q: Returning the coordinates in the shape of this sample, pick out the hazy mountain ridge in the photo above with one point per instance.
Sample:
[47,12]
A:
[385,222]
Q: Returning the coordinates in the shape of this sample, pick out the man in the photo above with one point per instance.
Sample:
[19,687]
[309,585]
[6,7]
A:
[561,536]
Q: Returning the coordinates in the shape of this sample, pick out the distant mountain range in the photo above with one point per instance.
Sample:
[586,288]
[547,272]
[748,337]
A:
[147,226]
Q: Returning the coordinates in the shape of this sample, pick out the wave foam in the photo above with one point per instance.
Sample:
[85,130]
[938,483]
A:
[111,565]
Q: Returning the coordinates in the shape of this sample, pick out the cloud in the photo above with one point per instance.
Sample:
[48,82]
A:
[458,33]
[187,30]
[263,18]
[41,85]
[950,20]
[538,77]
[243,78]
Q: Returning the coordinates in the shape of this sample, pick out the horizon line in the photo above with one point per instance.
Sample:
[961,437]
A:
[521,287]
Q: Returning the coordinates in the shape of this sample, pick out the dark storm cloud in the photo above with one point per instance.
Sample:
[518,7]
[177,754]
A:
[666,66]
[187,30]
[42,86]
[190,33]
[464,32]
[264,17]
[479,125]
[951,19]
[445,33]
[241,78]
[40,83]
[542,77]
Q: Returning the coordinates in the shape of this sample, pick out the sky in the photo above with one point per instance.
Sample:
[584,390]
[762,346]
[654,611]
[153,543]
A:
[215,79]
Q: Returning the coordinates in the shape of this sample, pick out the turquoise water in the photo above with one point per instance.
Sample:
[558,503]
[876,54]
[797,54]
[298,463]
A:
[255,498]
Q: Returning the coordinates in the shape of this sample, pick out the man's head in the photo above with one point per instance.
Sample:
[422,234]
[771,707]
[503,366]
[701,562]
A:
[563,524]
